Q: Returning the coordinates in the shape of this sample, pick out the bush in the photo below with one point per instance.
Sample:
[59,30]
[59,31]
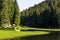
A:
[2,28]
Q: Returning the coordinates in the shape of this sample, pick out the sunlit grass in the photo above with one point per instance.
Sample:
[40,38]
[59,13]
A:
[13,34]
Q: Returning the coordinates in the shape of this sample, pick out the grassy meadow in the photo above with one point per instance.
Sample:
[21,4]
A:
[8,33]
[12,34]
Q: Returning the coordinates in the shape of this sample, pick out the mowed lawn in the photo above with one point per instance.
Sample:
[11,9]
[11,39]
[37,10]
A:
[12,34]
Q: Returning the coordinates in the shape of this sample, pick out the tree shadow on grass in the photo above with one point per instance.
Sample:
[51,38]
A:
[51,36]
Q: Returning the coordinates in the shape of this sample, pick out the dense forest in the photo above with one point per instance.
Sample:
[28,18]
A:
[9,13]
[44,15]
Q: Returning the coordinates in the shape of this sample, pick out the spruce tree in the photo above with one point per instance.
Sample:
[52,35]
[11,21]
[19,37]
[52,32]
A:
[0,10]
[7,13]
[16,13]
[11,11]
[5,21]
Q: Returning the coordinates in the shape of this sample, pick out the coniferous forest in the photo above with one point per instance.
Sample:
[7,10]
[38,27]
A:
[43,15]
[9,13]
[38,22]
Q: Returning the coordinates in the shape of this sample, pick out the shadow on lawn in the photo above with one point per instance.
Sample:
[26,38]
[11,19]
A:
[52,36]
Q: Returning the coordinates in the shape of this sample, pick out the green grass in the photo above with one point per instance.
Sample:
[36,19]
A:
[43,29]
[12,34]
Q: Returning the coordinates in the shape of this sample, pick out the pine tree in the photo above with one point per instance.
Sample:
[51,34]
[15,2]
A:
[16,14]
[0,10]
[5,13]
[11,11]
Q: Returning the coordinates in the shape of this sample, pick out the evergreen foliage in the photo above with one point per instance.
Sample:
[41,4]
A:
[16,14]
[44,15]
[7,10]
[5,20]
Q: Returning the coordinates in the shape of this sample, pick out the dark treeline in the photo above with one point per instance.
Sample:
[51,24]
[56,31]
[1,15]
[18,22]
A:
[43,15]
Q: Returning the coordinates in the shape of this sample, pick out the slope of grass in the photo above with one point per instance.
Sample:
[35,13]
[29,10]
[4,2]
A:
[13,34]
[43,29]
